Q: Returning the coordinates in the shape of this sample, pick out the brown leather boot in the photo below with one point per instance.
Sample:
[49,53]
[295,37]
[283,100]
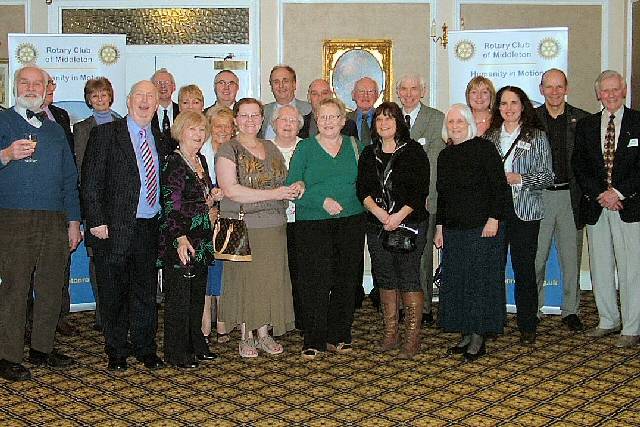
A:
[413,303]
[389,303]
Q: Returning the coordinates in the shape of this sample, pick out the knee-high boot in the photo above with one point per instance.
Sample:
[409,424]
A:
[389,302]
[413,303]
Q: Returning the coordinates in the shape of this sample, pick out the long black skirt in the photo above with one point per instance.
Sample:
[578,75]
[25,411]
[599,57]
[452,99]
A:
[472,293]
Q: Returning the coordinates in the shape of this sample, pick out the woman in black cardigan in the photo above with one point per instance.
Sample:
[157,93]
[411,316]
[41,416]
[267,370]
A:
[401,163]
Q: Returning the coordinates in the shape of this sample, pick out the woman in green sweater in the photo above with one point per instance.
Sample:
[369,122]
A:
[329,231]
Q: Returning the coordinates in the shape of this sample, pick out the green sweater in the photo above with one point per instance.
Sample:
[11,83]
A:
[325,176]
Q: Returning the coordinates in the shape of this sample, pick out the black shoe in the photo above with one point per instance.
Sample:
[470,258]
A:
[457,350]
[359,294]
[53,359]
[573,322]
[374,296]
[185,365]
[13,371]
[206,356]
[470,357]
[117,364]
[427,319]
[527,337]
[97,328]
[151,361]
[401,315]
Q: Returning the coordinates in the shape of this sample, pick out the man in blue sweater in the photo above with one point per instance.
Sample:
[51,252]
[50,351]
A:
[39,224]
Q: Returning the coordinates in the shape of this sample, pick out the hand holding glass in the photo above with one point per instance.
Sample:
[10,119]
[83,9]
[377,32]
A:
[34,139]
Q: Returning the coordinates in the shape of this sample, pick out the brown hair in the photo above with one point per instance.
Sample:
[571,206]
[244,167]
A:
[94,85]
[186,119]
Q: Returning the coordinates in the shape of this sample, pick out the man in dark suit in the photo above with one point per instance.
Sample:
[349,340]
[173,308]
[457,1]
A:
[167,109]
[606,163]
[561,201]
[57,114]
[365,94]
[319,90]
[121,203]
[425,126]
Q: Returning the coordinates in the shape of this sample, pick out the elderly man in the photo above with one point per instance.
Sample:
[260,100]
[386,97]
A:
[283,86]
[167,109]
[561,201]
[225,86]
[319,90]
[121,203]
[39,224]
[606,163]
[365,94]
[425,125]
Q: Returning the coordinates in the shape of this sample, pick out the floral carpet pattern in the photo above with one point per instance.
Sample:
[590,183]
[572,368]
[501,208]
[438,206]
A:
[566,379]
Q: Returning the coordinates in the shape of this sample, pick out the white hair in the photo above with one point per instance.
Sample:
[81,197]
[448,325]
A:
[466,114]
[414,77]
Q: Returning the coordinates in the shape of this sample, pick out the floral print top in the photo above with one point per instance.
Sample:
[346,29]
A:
[184,211]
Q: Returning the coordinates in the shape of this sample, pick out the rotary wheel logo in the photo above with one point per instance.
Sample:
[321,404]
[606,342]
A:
[465,50]
[26,53]
[109,54]
[549,48]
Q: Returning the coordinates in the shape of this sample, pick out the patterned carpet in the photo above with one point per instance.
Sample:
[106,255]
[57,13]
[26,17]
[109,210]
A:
[565,380]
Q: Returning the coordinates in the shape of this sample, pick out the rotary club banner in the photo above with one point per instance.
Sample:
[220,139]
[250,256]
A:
[506,57]
[71,60]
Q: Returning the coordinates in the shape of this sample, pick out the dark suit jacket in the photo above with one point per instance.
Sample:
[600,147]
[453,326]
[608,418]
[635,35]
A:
[62,118]
[310,127]
[81,131]
[590,172]
[155,123]
[573,115]
[111,184]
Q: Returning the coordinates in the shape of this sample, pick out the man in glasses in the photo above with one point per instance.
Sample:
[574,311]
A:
[167,109]
[365,94]
[226,86]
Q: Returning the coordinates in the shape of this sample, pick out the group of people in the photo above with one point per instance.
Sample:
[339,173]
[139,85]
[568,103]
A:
[312,183]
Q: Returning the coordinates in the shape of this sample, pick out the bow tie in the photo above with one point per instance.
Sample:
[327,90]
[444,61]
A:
[40,116]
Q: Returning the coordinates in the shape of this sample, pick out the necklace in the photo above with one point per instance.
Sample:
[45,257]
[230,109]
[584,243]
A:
[198,170]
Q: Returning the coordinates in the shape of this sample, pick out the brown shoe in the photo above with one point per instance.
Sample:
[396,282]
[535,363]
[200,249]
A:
[65,328]
[389,303]
[413,303]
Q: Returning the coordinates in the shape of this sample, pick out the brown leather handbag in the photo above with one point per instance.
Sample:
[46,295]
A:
[231,239]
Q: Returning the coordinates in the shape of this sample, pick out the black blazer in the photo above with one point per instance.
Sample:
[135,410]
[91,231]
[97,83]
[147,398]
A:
[110,184]
[590,172]
[573,115]
[155,124]
[62,118]
[349,129]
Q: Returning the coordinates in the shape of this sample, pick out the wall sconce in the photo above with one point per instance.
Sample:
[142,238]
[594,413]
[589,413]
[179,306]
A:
[444,38]
[48,2]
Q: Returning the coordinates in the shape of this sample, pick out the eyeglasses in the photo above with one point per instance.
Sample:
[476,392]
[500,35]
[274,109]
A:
[288,119]
[253,116]
[228,84]
[52,82]
[329,117]
[366,92]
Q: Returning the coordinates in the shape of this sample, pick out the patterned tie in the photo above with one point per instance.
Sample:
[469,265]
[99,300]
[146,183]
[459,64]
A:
[609,148]
[407,119]
[365,132]
[166,125]
[149,169]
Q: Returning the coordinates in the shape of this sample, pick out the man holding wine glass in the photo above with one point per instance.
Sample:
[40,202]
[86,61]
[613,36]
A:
[39,225]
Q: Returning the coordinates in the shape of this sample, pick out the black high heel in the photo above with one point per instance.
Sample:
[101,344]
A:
[470,357]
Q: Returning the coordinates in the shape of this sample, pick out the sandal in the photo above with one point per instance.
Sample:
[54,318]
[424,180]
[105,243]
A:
[341,348]
[247,348]
[269,345]
[310,353]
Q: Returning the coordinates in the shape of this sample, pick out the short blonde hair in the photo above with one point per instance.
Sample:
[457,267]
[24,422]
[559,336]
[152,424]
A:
[477,81]
[186,119]
[192,91]
[336,103]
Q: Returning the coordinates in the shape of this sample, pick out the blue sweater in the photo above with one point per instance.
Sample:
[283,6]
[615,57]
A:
[51,183]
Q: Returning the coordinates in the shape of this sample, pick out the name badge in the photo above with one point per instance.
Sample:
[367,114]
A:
[524,145]
[633,142]
[423,141]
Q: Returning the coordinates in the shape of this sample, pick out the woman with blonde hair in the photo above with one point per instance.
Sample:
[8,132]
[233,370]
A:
[480,95]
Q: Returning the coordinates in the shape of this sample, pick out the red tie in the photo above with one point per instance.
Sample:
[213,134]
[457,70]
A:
[609,148]
[149,169]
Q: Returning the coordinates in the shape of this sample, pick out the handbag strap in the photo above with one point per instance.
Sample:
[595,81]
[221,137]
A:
[513,145]
[237,156]
[384,174]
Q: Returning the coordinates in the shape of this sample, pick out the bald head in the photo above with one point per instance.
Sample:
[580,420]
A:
[319,90]
[554,88]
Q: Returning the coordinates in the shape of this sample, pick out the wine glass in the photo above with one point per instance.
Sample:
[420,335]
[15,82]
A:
[33,138]
[187,269]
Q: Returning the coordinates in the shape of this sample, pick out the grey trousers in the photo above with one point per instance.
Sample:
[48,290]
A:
[558,223]
[426,265]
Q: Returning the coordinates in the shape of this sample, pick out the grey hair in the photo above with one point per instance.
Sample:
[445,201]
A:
[45,77]
[412,76]
[607,74]
[366,78]
[466,113]
[162,71]
[275,116]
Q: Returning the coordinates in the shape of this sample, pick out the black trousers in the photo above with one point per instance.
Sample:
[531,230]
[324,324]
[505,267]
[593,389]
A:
[522,237]
[127,290]
[329,254]
[184,302]
[294,274]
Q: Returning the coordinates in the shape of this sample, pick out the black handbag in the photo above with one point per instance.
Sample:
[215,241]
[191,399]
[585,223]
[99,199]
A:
[230,235]
[403,238]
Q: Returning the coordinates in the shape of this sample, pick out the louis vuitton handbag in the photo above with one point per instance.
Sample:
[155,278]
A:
[230,235]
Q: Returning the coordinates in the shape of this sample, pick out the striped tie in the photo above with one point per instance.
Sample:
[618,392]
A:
[149,169]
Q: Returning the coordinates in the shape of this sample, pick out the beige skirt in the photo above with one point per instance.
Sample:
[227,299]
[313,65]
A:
[258,292]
